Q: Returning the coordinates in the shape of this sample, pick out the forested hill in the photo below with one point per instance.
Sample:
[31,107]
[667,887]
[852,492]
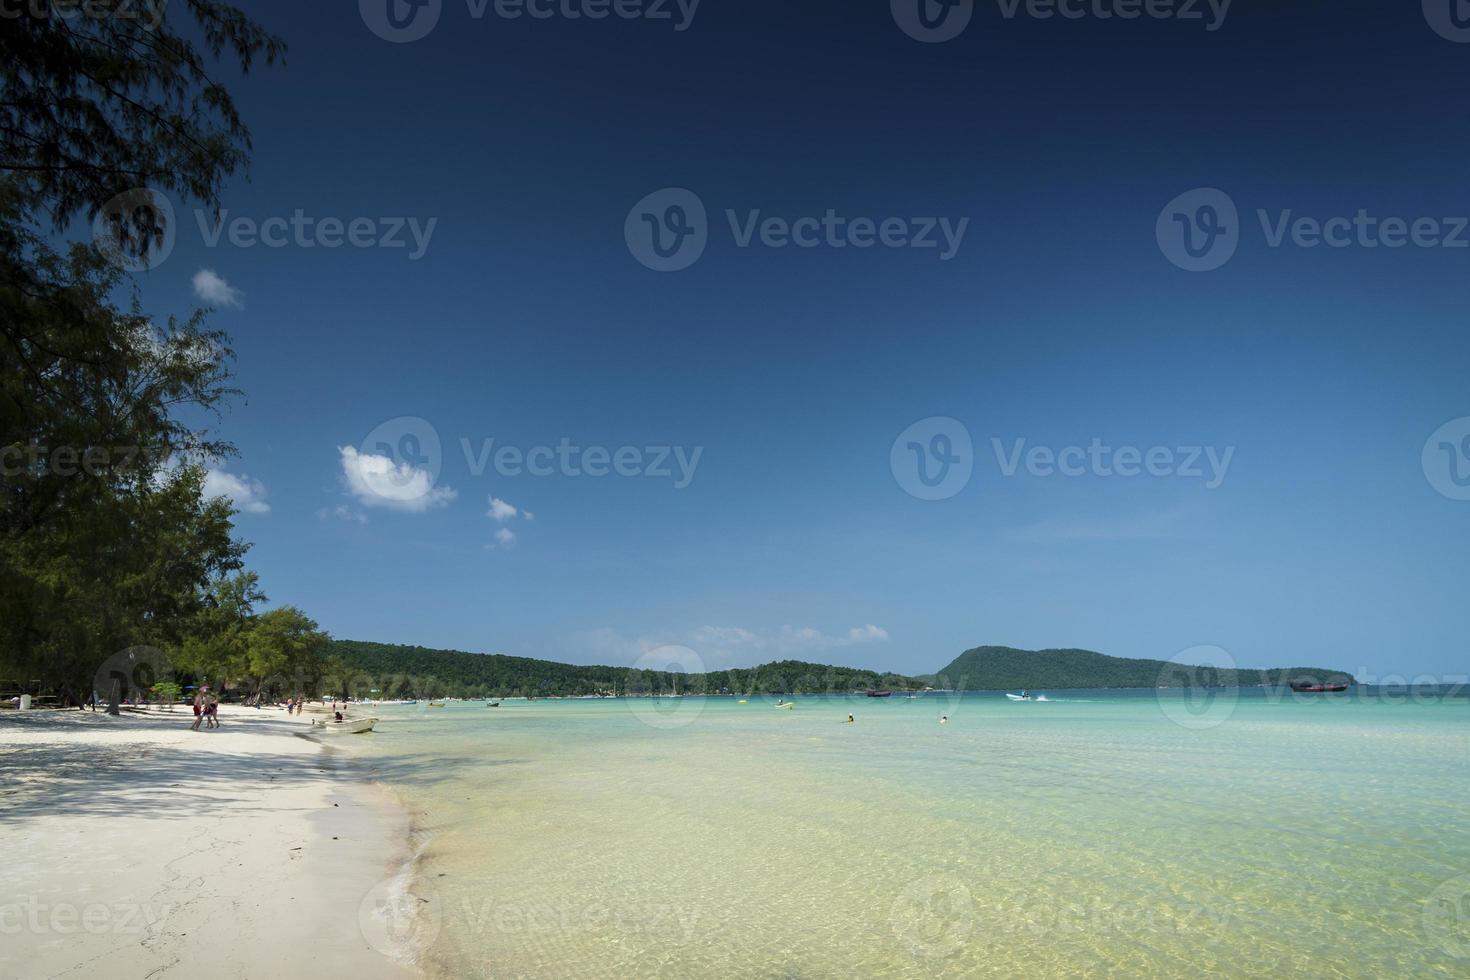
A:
[411,671]
[1006,668]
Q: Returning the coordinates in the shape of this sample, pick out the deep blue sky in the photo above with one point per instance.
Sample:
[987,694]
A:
[1058,321]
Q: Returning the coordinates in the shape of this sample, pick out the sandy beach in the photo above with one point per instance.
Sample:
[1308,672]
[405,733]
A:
[137,848]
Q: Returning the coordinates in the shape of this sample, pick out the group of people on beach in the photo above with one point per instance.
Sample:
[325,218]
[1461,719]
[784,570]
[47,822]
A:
[206,709]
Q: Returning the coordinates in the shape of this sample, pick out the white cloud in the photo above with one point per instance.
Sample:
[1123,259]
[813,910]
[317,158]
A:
[212,288]
[377,481]
[502,511]
[247,495]
[342,513]
[505,538]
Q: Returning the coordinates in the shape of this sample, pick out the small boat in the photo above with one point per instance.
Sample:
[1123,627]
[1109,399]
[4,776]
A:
[347,726]
[742,701]
[492,704]
[1023,696]
[1309,688]
[785,704]
[438,704]
[884,693]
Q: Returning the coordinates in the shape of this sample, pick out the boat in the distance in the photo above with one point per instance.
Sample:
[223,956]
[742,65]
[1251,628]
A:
[492,704]
[347,726]
[1307,687]
[1026,696]
[883,693]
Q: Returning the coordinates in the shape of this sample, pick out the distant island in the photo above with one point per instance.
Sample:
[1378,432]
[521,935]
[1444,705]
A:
[394,671]
[992,668]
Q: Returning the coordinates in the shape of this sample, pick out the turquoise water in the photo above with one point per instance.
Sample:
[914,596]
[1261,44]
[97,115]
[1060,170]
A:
[1098,833]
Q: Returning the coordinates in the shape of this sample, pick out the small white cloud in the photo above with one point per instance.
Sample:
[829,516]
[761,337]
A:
[502,511]
[342,513]
[866,634]
[505,538]
[247,495]
[377,481]
[528,515]
[212,289]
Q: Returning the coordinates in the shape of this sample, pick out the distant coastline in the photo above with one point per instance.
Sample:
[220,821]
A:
[390,671]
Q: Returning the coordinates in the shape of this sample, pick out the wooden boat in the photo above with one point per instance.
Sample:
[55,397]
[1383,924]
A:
[347,726]
[1306,687]
[438,704]
[885,693]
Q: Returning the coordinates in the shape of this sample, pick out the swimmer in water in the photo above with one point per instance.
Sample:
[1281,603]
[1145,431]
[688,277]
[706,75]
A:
[944,719]
[849,719]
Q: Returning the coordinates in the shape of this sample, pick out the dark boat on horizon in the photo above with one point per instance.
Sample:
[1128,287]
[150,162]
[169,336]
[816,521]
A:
[880,694]
[1307,687]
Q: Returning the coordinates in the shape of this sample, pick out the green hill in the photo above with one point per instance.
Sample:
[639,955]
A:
[411,671]
[1006,668]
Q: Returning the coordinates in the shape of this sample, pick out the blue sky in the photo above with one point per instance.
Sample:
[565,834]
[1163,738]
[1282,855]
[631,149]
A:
[520,148]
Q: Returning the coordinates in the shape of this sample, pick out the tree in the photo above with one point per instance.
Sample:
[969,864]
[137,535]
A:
[283,644]
[104,536]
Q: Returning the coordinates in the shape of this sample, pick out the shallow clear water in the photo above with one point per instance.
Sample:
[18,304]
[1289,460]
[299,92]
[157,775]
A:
[1100,833]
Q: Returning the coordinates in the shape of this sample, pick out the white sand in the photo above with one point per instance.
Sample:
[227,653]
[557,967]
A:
[135,848]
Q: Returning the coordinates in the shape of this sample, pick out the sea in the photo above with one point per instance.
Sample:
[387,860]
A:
[1095,833]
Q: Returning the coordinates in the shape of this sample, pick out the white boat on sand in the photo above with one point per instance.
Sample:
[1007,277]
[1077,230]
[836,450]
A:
[347,726]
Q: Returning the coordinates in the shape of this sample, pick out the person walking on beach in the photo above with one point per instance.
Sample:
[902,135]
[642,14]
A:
[211,711]
[199,697]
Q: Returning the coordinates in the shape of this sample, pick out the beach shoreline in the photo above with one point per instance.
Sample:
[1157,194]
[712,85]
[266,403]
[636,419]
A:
[140,848]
